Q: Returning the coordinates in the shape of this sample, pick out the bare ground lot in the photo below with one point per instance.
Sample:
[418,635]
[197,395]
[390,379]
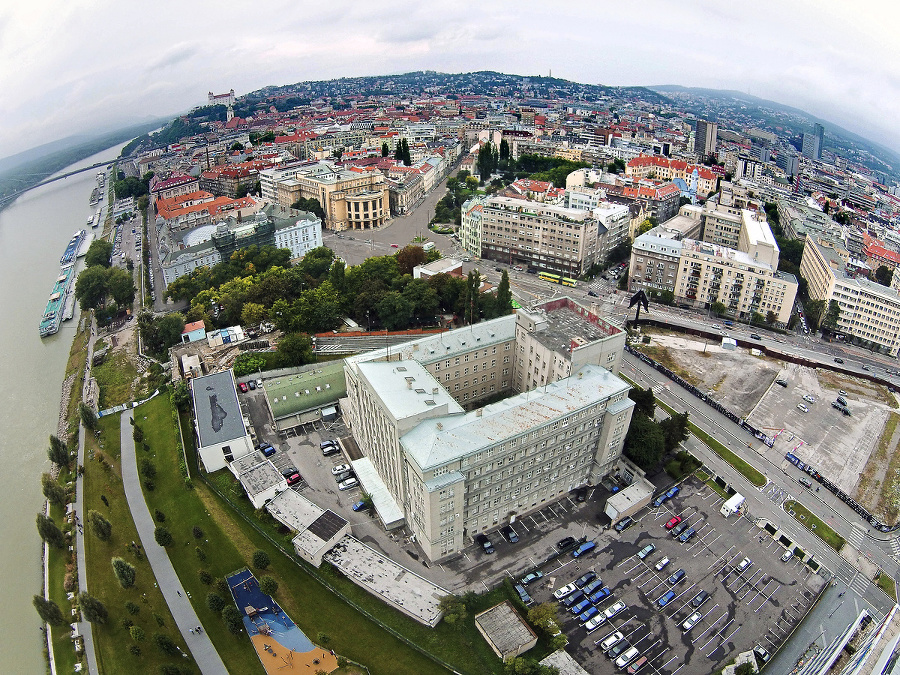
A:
[858,453]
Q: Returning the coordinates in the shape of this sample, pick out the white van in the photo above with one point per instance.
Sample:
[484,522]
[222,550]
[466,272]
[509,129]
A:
[428,245]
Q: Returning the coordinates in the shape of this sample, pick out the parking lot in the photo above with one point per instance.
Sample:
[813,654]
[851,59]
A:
[757,605]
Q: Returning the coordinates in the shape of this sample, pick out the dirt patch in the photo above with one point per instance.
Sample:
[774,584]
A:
[879,485]
[857,387]
[737,378]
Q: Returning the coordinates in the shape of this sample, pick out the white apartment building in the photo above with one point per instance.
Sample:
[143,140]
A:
[869,311]
[455,473]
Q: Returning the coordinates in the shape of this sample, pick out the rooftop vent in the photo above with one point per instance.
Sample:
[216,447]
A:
[420,391]
[429,401]
[401,369]
[434,390]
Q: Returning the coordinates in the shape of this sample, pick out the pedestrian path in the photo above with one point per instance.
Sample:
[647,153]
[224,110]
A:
[84,627]
[205,655]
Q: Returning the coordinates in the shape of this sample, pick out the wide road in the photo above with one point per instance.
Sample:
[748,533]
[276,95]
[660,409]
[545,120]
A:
[875,545]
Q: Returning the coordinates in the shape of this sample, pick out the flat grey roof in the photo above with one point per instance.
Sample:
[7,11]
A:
[260,477]
[503,626]
[406,388]
[564,663]
[565,325]
[216,409]
[440,440]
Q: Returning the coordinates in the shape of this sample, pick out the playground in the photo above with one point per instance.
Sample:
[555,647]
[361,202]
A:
[281,646]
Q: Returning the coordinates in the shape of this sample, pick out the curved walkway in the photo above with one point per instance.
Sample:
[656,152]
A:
[206,656]
[84,627]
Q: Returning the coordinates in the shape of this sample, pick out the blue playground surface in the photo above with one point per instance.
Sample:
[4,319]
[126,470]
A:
[267,618]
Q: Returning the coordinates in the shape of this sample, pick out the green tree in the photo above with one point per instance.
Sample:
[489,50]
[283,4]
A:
[718,308]
[88,416]
[215,602]
[310,205]
[137,633]
[385,149]
[120,285]
[232,618]
[394,311]
[771,317]
[407,158]
[261,559]
[504,150]
[162,536]
[124,572]
[644,443]
[53,491]
[619,253]
[504,296]
[143,202]
[832,316]
[675,430]
[295,349]
[756,318]
[814,310]
[165,644]
[545,616]
[453,608]
[181,397]
[99,525]
[409,257]
[148,468]
[92,609]
[99,253]
[644,401]
[48,610]
[884,275]
[269,586]
[50,532]
[237,145]
[58,452]
[90,287]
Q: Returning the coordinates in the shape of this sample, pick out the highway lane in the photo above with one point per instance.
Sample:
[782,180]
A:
[844,521]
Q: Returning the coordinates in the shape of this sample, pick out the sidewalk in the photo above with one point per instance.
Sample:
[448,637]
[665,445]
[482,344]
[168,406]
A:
[206,656]
[84,627]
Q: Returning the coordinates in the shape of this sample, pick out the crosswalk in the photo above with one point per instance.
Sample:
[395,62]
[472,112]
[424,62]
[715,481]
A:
[895,548]
[856,537]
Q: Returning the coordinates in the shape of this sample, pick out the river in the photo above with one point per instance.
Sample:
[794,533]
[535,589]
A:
[34,231]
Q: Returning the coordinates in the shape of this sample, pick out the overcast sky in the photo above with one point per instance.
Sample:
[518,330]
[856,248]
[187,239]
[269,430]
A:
[80,66]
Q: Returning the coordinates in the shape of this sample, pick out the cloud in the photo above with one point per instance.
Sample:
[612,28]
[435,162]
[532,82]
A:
[75,66]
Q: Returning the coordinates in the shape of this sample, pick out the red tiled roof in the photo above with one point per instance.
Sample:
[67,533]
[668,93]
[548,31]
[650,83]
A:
[190,327]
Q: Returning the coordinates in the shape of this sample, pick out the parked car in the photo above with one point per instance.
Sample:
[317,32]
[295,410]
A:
[787,555]
[329,450]
[744,564]
[691,621]
[574,598]
[484,542]
[582,606]
[289,471]
[760,652]
[678,529]
[614,609]
[342,476]
[647,550]
[588,614]
[781,382]
[666,599]
[267,450]
[627,657]
[809,399]
[531,577]
[624,524]
[243,387]
[806,482]
[754,336]
[510,534]
[637,666]
[523,594]
[837,359]
[340,468]
[586,547]
[595,623]
[610,640]
[394,246]
[252,385]
[327,444]
[662,563]
[844,393]
[581,493]
[585,579]
[599,596]
[699,599]
[348,484]
[566,590]
[617,649]
[359,506]
[686,535]
[294,478]
[595,585]
[841,400]
[672,522]
[802,408]
[676,577]
[566,543]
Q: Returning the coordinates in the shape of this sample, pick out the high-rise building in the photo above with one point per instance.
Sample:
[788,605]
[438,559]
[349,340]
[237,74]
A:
[705,138]
[812,143]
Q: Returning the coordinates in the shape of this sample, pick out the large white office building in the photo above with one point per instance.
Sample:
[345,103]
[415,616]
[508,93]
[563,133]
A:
[555,418]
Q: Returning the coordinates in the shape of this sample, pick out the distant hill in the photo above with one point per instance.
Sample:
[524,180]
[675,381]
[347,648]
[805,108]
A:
[32,154]
[729,98]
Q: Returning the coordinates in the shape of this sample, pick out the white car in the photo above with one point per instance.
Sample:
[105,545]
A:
[661,564]
[611,611]
[691,621]
[594,623]
[802,408]
[716,326]
[568,589]
[339,469]
[348,484]
[610,640]
[809,399]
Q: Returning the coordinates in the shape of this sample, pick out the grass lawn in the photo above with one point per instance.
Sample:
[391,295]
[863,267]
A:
[886,583]
[75,366]
[59,561]
[115,376]
[315,609]
[112,639]
[887,507]
[815,525]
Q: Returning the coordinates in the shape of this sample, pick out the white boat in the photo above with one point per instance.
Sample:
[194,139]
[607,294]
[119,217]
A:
[85,245]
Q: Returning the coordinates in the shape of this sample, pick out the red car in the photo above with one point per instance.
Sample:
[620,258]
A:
[243,387]
[673,522]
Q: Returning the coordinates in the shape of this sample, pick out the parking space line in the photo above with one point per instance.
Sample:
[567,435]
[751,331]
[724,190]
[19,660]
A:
[709,545]
[763,603]
[711,626]
[677,597]
[720,558]
[519,522]
[758,591]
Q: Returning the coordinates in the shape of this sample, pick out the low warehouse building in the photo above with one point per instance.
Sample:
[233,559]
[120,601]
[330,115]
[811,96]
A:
[505,631]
